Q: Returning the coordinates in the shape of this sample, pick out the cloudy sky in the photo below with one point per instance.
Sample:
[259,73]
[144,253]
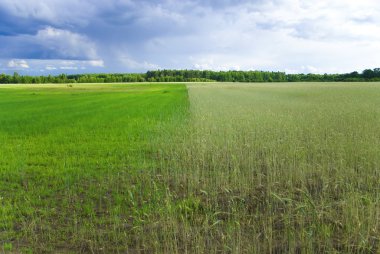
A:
[71,36]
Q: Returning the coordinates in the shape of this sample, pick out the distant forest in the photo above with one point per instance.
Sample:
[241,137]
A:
[194,76]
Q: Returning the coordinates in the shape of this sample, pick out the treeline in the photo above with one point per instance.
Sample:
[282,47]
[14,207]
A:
[194,76]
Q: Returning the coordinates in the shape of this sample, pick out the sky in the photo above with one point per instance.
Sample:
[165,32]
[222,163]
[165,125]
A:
[41,37]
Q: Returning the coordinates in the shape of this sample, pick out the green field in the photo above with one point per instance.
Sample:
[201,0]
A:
[197,168]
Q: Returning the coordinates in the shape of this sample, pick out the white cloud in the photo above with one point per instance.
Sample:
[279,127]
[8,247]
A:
[50,68]
[68,68]
[18,63]
[55,65]
[310,69]
[96,63]
[323,20]
[66,43]
[134,65]
[297,35]
[213,63]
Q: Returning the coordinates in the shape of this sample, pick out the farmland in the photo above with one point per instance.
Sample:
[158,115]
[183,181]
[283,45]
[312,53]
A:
[196,168]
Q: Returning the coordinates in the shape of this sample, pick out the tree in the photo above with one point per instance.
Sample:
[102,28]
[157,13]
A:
[16,78]
[368,74]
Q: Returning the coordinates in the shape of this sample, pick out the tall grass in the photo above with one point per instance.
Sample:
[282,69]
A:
[277,169]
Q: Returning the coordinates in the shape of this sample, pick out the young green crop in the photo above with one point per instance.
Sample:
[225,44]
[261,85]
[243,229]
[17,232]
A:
[75,164]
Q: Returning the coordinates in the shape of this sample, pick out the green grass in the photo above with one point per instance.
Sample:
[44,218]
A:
[76,163]
[216,168]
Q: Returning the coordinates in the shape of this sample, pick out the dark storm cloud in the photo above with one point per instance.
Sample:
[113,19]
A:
[11,26]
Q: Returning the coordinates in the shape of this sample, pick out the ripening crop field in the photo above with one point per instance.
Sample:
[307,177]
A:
[190,168]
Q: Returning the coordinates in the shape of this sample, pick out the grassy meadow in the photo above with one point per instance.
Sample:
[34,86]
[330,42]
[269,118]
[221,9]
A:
[201,168]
